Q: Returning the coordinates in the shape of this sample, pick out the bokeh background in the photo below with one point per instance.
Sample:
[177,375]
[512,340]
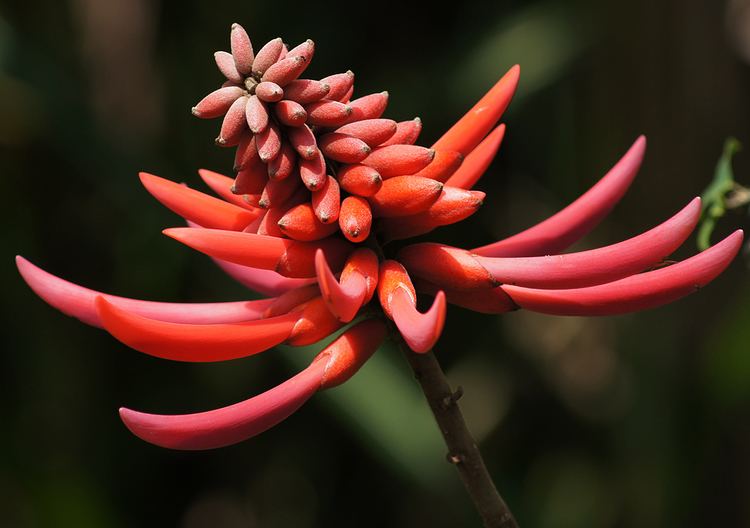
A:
[632,421]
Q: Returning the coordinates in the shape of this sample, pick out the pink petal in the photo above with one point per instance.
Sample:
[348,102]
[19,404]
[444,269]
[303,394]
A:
[344,299]
[228,425]
[420,330]
[569,225]
[634,293]
[597,266]
[78,302]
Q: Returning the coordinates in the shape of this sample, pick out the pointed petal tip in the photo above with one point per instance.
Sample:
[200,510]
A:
[638,292]
[420,330]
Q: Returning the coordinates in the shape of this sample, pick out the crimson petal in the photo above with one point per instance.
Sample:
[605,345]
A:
[78,301]
[634,293]
[597,266]
[570,224]
[343,298]
[228,425]
[420,330]
[194,342]
[200,208]
[288,257]
[474,126]
[478,160]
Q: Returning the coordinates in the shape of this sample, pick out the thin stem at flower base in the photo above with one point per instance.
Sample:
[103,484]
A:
[463,451]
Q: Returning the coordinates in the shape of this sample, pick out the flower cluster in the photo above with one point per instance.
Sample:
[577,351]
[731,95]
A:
[301,146]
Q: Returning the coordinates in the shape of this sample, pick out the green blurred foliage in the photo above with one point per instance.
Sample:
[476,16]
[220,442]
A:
[640,420]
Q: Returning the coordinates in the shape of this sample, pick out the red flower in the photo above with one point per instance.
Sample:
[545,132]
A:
[307,157]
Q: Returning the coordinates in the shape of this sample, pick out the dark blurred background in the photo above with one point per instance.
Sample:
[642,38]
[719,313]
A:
[630,421]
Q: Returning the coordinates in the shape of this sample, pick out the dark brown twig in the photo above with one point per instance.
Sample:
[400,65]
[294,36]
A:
[463,452]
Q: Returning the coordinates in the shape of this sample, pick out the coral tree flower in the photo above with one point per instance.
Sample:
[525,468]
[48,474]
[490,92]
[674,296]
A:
[323,183]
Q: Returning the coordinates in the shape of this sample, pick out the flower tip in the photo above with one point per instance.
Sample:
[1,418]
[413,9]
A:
[194,110]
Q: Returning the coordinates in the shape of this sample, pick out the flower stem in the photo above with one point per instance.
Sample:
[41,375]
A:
[463,452]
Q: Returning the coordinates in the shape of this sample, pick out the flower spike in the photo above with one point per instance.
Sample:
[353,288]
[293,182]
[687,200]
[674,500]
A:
[637,292]
[194,342]
[79,302]
[474,126]
[570,224]
[322,183]
[200,208]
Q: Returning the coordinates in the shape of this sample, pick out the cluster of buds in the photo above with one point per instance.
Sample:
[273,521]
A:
[300,144]
[311,161]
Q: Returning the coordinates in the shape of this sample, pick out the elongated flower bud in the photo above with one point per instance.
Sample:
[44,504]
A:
[242,49]
[453,205]
[267,56]
[306,91]
[327,113]
[300,223]
[399,160]
[256,115]
[228,68]
[313,172]
[290,113]
[355,218]
[372,131]
[339,84]
[217,102]
[343,148]
[360,180]
[285,71]
[368,107]
[407,133]
[269,92]
[326,201]
[404,196]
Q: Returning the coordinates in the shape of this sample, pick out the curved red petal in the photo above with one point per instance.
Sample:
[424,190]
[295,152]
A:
[202,209]
[570,224]
[194,342]
[78,301]
[315,322]
[344,298]
[247,249]
[344,356]
[478,160]
[420,330]
[634,293]
[474,126]
[228,425]
[597,266]
[222,185]
[288,257]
